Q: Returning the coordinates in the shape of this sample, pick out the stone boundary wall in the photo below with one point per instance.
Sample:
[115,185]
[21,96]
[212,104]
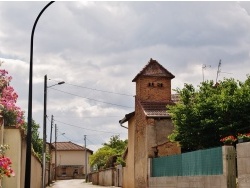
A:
[94,178]
[243,163]
[108,177]
[226,180]
[103,177]
[16,139]
[36,172]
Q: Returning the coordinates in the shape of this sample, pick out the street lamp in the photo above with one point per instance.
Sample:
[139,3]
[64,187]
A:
[29,132]
[44,128]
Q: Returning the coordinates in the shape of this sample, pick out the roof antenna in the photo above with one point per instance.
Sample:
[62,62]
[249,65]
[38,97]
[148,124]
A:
[204,67]
[218,71]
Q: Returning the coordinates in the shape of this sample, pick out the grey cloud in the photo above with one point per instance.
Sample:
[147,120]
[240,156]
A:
[103,45]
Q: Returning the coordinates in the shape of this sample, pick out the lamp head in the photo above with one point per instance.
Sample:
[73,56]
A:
[60,83]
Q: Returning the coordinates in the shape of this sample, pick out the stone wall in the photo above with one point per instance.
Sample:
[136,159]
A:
[107,177]
[189,182]
[158,143]
[15,138]
[95,178]
[12,137]
[129,170]
[243,163]
[36,172]
[140,148]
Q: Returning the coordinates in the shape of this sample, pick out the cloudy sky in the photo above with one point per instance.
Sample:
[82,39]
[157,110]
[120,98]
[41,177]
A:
[97,48]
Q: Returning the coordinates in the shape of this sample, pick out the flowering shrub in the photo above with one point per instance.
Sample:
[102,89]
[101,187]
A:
[228,139]
[12,114]
[5,162]
[245,136]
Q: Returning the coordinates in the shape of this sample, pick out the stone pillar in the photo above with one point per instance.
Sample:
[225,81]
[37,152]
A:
[243,163]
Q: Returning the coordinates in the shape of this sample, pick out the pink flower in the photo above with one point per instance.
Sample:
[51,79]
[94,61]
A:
[8,99]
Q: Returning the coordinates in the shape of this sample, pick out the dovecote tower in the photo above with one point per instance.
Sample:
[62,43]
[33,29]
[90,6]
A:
[150,124]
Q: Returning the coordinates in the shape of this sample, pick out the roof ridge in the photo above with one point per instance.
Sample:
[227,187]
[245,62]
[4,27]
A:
[151,61]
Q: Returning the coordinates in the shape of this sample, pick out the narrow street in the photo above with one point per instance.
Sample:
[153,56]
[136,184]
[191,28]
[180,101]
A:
[74,183]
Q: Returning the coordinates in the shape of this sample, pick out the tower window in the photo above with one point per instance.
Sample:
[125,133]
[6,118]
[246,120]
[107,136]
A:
[160,84]
[151,84]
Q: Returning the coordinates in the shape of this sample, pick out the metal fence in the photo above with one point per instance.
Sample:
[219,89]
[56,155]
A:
[201,162]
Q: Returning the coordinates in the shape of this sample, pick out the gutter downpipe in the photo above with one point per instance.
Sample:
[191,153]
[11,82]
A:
[122,125]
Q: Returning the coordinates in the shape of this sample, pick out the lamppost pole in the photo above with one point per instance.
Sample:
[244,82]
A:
[29,132]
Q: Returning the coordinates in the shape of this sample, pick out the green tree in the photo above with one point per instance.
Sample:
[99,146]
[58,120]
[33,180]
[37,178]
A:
[110,151]
[204,116]
[101,156]
[117,144]
[37,143]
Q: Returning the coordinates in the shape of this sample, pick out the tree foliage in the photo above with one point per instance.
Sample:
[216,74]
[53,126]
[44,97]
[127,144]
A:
[203,116]
[37,143]
[111,150]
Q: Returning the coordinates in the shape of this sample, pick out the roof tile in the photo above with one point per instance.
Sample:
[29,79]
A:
[68,146]
[153,68]
[156,109]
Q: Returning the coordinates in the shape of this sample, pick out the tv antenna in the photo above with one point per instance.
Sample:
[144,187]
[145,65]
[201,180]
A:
[219,71]
[203,68]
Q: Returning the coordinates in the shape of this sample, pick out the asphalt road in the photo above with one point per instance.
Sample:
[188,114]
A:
[73,183]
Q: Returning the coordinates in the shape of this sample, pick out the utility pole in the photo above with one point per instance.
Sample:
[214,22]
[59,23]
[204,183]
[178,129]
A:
[85,167]
[51,128]
[55,152]
[44,132]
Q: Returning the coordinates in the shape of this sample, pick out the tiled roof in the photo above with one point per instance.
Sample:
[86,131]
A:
[153,68]
[127,117]
[68,146]
[156,109]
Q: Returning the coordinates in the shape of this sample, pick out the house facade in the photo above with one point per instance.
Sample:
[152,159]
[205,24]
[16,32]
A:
[149,125]
[68,160]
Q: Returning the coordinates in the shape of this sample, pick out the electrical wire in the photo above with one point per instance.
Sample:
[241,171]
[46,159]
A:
[85,128]
[91,98]
[75,117]
[95,89]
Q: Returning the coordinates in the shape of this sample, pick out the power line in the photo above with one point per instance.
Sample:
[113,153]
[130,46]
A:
[84,128]
[104,132]
[91,99]
[75,117]
[96,89]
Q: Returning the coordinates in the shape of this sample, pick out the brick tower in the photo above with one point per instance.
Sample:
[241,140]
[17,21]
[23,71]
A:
[150,124]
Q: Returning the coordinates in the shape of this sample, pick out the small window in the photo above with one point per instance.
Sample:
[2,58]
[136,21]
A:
[160,84]
[151,84]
